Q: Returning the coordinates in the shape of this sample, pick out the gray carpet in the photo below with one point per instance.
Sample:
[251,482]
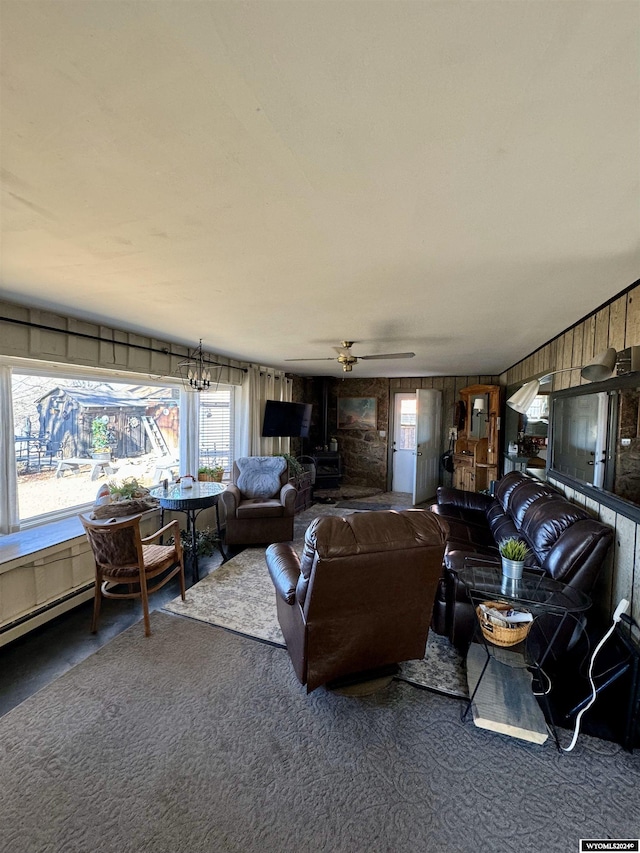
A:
[239,596]
[196,741]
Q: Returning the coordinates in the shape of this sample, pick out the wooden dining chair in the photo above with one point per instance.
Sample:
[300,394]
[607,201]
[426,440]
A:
[126,562]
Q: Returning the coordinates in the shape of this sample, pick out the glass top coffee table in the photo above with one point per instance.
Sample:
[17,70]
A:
[555,610]
[535,590]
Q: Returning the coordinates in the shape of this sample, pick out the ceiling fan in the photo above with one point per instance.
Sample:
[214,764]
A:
[347,359]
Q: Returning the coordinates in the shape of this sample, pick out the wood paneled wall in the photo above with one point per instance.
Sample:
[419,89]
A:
[616,324]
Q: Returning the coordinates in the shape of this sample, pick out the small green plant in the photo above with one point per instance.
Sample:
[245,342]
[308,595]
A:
[514,549]
[99,435]
[207,541]
[127,490]
[216,472]
[295,468]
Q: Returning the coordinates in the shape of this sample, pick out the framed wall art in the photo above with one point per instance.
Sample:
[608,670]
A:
[357,413]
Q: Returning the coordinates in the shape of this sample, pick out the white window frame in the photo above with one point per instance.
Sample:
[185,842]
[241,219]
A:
[227,455]
[48,369]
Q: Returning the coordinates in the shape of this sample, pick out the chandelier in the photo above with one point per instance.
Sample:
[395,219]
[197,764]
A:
[194,371]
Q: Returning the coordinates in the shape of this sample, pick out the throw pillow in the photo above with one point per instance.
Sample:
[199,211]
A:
[260,475]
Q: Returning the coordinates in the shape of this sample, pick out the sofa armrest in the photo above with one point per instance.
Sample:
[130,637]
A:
[288,498]
[461,498]
[231,500]
[284,568]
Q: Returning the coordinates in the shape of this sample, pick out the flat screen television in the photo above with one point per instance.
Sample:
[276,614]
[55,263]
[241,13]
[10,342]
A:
[282,419]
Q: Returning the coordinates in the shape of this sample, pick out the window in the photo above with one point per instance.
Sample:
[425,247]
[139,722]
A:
[536,419]
[407,432]
[73,433]
[217,428]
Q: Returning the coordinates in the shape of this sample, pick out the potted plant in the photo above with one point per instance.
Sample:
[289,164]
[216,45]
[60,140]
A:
[295,468]
[513,552]
[127,490]
[100,448]
[207,541]
[211,473]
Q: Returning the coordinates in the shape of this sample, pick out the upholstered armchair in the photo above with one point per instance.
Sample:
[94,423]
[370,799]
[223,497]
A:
[260,501]
[361,597]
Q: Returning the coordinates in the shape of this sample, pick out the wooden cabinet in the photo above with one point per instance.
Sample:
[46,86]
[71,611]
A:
[304,496]
[477,449]
[464,474]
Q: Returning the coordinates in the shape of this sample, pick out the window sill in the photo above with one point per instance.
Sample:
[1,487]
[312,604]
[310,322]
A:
[16,548]
[25,543]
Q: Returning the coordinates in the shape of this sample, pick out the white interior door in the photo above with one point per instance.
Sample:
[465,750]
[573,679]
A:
[404,441]
[428,429]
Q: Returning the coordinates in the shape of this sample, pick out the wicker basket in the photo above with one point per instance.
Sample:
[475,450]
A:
[498,634]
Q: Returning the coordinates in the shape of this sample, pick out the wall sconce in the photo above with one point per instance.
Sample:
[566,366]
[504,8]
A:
[602,367]
[480,407]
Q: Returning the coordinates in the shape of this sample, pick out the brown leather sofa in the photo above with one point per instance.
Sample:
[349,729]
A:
[261,512]
[565,541]
[361,596]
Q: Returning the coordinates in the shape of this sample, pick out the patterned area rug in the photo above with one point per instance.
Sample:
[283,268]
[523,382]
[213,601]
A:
[345,493]
[362,506]
[239,596]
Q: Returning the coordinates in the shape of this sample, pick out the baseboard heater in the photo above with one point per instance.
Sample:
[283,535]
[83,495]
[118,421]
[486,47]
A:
[20,626]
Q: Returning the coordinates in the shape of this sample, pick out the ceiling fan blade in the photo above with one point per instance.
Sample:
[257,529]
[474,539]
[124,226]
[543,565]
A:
[330,358]
[389,355]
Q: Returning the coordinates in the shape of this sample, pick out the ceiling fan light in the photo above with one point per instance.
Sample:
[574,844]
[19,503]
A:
[347,360]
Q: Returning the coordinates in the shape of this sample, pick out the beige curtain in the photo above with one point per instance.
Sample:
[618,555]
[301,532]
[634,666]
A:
[189,435]
[260,384]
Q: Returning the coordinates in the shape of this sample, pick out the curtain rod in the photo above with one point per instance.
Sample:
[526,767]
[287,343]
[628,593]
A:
[163,351]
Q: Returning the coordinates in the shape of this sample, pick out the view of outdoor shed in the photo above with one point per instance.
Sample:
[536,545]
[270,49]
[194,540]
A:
[135,422]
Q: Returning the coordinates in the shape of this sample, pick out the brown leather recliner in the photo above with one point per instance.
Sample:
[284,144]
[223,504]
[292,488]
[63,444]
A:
[361,596]
[260,502]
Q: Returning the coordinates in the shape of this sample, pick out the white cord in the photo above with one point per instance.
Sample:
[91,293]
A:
[548,690]
[621,608]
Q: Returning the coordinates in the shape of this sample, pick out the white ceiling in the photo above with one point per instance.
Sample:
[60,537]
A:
[455,178]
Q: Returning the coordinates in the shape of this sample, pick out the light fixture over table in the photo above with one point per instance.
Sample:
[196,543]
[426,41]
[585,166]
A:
[194,371]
